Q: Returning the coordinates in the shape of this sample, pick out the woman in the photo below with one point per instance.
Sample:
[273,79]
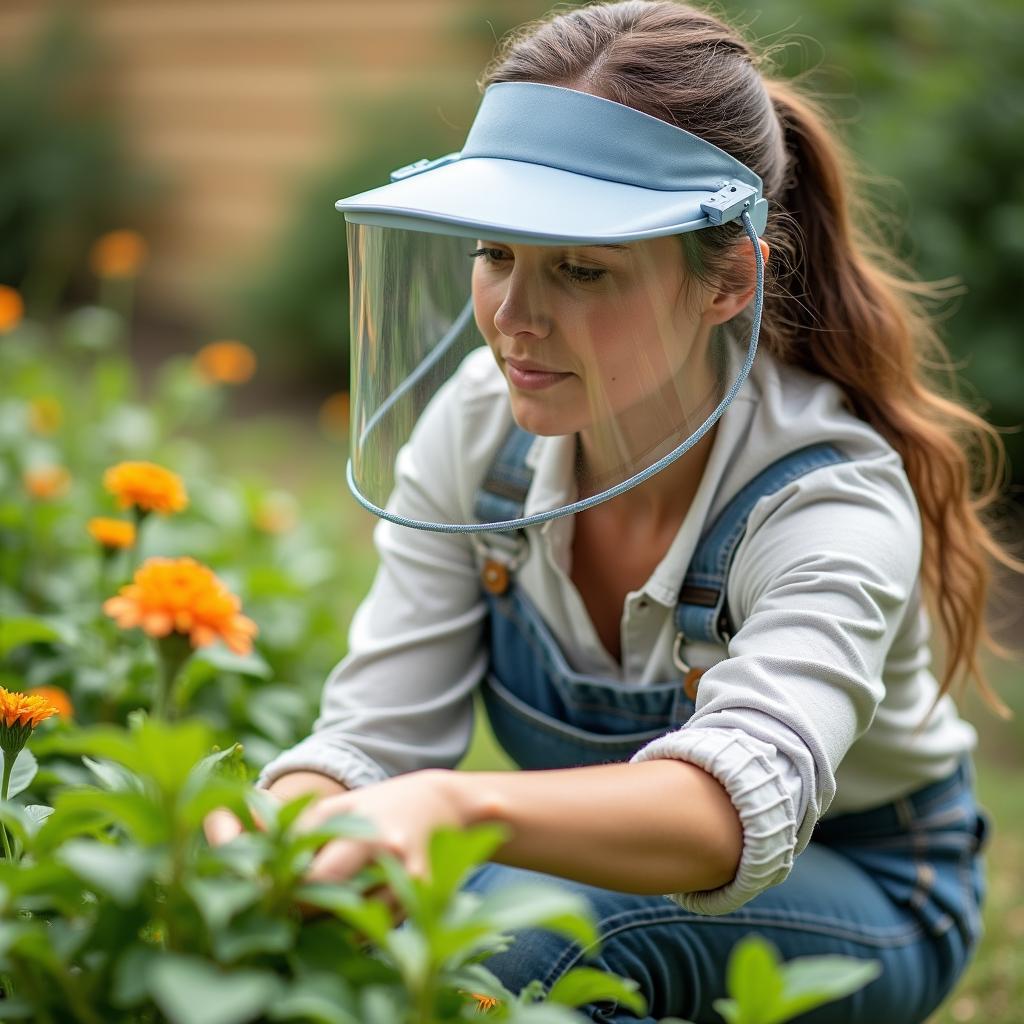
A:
[713,652]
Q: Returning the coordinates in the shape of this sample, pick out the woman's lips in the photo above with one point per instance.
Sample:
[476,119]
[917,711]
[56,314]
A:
[530,377]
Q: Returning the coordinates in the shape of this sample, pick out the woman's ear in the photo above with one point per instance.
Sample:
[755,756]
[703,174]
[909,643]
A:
[724,305]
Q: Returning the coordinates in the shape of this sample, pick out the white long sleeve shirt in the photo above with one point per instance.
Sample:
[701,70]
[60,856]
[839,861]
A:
[811,712]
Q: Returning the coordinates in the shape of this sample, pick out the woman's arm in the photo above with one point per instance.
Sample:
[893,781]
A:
[655,827]
[663,825]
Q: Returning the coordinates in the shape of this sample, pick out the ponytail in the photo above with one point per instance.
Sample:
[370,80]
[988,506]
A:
[837,302]
[861,323]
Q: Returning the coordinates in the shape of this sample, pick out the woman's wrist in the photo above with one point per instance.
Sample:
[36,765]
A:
[293,784]
[474,796]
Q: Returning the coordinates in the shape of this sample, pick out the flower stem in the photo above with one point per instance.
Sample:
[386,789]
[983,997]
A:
[9,760]
[172,651]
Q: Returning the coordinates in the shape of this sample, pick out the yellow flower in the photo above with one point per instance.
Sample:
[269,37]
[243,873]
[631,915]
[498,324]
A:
[334,414]
[57,698]
[19,715]
[181,595]
[118,254]
[112,533]
[47,482]
[45,414]
[12,309]
[146,485]
[225,362]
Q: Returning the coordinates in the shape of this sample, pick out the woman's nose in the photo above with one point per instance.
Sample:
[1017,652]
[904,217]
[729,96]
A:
[523,309]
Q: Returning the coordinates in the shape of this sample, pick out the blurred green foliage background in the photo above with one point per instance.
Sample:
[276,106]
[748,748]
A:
[928,94]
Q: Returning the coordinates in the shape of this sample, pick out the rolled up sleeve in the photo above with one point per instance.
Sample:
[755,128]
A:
[819,586]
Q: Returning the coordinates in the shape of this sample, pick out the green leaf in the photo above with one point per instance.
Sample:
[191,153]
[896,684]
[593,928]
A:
[120,871]
[535,905]
[189,991]
[142,818]
[541,1013]
[225,660]
[26,630]
[38,813]
[318,997]
[131,971]
[74,819]
[220,899]
[15,818]
[163,752]
[754,979]
[814,980]
[379,1005]
[111,775]
[584,985]
[254,933]
[23,772]
[409,949]
[453,853]
[729,1011]
[210,766]
[370,917]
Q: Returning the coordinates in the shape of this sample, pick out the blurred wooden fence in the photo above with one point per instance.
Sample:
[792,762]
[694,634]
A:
[235,100]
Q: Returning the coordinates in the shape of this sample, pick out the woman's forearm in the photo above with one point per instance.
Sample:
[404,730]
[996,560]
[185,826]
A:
[293,784]
[653,827]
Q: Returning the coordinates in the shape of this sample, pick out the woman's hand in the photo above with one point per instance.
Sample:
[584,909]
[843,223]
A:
[221,825]
[405,809]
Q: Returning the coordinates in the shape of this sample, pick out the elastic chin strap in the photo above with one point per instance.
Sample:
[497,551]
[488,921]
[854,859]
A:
[612,492]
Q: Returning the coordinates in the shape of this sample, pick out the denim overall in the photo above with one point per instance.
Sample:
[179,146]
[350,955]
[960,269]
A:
[901,883]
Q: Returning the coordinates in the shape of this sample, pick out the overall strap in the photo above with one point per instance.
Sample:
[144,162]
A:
[502,496]
[702,613]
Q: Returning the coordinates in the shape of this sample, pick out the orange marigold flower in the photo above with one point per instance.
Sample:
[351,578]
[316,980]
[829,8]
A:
[112,533]
[12,309]
[57,699]
[19,715]
[147,485]
[45,414]
[225,362]
[47,482]
[118,254]
[334,414]
[181,595]
[484,1003]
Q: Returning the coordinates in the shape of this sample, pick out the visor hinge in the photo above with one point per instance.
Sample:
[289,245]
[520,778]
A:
[729,202]
[419,166]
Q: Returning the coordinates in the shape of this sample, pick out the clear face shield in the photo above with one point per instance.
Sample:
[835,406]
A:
[592,342]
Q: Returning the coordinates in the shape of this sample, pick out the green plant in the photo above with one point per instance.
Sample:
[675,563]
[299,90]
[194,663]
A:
[763,990]
[116,910]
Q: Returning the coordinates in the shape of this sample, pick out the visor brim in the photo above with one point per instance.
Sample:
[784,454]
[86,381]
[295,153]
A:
[514,201]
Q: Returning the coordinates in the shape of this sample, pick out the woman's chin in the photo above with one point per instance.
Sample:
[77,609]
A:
[543,417]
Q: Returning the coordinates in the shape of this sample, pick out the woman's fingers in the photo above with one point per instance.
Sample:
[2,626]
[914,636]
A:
[338,860]
[221,826]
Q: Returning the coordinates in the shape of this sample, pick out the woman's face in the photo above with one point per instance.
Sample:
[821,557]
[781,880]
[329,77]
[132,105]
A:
[591,335]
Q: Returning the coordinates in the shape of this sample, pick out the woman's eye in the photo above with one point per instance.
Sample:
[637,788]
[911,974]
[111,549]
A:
[582,274]
[490,255]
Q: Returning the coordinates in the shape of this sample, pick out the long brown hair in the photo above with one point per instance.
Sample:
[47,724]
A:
[837,302]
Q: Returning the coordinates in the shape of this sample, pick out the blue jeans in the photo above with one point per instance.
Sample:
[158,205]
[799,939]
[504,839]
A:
[902,884]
